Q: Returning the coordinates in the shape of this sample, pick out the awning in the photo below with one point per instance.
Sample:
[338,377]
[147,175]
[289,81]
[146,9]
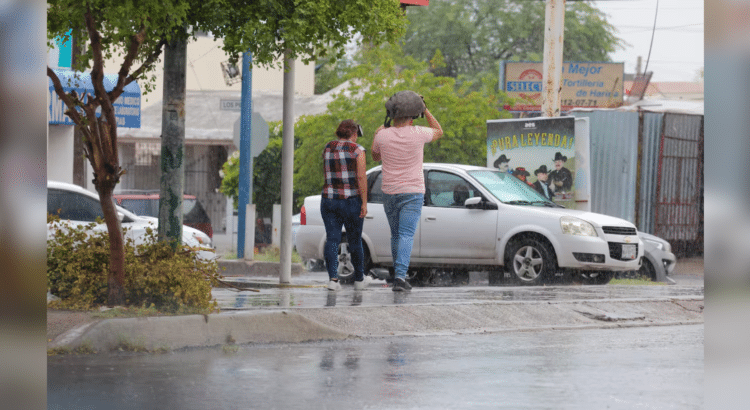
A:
[127,106]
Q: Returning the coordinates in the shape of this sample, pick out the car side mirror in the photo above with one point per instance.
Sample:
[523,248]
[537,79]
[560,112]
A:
[120,216]
[473,202]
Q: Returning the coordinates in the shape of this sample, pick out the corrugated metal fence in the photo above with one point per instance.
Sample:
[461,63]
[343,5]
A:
[647,168]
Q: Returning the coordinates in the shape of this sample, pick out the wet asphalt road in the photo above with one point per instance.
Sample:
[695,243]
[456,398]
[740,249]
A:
[477,291]
[644,367]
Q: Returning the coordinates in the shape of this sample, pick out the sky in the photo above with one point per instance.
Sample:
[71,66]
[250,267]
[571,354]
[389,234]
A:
[677,53]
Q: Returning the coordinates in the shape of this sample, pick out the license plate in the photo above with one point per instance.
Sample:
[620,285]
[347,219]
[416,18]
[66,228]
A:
[628,251]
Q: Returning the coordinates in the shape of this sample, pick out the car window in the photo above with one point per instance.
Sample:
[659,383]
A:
[146,207]
[375,182]
[73,206]
[444,189]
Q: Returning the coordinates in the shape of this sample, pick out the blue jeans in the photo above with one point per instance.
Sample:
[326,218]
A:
[338,212]
[403,212]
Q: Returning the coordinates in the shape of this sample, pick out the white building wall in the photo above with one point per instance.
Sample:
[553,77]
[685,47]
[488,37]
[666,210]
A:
[204,73]
[60,153]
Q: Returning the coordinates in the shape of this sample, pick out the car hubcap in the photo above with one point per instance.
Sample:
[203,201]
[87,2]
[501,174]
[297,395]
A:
[346,267]
[528,263]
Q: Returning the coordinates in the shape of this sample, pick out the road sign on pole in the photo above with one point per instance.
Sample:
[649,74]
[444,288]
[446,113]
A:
[258,133]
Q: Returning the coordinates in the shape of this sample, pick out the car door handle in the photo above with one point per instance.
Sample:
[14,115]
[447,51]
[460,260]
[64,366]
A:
[430,218]
[369,217]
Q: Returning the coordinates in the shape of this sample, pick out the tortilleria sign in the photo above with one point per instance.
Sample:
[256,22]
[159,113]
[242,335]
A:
[584,84]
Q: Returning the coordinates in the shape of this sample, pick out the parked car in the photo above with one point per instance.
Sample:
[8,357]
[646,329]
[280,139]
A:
[80,206]
[658,260]
[147,204]
[477,218]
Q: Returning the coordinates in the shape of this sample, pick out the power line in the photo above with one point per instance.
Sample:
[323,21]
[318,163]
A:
[645,70]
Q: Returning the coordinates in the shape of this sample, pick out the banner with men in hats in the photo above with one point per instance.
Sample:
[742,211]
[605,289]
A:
[539,151]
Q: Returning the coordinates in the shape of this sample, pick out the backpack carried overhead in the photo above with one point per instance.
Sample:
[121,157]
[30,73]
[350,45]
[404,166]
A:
[403,104]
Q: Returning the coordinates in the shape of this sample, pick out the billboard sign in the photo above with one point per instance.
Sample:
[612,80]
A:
[539,151]
[584,84]
[127,106]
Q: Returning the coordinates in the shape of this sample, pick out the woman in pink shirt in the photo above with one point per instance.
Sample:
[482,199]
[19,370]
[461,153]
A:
[401,149]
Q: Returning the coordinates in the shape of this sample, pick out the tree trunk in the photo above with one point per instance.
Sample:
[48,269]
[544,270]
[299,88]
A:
[173,143]
[116,277]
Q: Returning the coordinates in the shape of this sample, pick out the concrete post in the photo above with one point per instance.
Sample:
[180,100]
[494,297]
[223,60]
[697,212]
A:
[554,28]
[250,232]
[173,142]
[287,170]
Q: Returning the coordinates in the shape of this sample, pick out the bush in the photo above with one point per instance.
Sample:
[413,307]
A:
[155,275]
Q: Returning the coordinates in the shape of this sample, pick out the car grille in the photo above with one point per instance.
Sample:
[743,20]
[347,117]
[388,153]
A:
[615,250]
[619,230]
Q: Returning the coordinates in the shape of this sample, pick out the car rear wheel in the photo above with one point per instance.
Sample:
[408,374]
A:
[596,277]
[346,265]
[530,262]
[647,270]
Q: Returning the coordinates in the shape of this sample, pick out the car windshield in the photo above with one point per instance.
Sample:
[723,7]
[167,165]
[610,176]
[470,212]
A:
[509,189]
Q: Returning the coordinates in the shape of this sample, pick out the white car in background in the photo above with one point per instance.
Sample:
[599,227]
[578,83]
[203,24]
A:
[477,218]
[81,206]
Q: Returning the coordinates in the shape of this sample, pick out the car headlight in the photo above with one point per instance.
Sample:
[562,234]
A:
[575,226]
[658,245]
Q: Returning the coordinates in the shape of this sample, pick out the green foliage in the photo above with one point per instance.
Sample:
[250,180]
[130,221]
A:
[155,275]
[462,111]
[473,36]
[330,72]
[306,29]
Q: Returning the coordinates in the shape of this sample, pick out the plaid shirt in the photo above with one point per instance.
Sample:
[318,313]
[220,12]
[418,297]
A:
[340,165]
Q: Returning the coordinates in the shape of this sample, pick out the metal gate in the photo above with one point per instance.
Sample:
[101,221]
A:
[202,165]
[678,216]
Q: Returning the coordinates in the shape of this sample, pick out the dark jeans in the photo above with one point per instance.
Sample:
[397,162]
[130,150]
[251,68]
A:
[338,212]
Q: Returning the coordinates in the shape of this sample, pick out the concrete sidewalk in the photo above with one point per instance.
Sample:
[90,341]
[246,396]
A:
[306,311]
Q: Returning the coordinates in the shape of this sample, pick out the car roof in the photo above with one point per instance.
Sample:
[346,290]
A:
[437,165]
[146,196]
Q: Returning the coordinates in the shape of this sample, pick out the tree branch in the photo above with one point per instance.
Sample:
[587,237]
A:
[114,94]
[102,97]
[135,43]
[72,112]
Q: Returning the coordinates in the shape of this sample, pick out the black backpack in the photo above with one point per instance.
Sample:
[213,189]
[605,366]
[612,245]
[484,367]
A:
[403,104]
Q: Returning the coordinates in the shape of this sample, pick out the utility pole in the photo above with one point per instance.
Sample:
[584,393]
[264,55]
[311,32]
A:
[287,171]
[173,141]
[245,222]
[554,28]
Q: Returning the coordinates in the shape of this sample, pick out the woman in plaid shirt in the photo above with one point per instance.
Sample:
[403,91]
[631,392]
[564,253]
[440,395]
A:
[344,201]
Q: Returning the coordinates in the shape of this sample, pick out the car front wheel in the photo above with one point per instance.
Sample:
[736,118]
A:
[346,265]
[530,262]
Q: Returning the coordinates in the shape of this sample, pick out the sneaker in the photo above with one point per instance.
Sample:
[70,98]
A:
[333,285]
[362,284]
[400,285]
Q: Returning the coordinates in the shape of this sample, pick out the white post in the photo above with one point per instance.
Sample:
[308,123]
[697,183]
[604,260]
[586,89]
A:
[554,28]
[249,232]
[287,171]
[276,225]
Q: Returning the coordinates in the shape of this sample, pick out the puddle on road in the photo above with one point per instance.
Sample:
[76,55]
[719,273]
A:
[320,297]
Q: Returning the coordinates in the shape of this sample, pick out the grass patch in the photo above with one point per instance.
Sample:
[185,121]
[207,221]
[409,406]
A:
[230,349]
[638,282]
[273,254]
[83,348]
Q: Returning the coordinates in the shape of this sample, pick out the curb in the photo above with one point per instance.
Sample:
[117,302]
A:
[297,325]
